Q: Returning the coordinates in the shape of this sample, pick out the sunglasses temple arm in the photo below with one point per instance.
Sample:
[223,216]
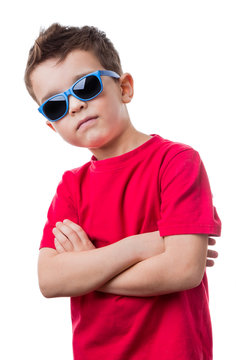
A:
[109,73]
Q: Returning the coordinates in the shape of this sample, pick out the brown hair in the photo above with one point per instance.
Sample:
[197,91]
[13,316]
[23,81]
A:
[58,41]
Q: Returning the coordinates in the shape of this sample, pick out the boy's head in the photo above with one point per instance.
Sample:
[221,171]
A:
[59,59]
[58,41]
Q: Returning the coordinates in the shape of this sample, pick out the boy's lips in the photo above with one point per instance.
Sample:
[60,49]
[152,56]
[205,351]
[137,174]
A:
[85,120]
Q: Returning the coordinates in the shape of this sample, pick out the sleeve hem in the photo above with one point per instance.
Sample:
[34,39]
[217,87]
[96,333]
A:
[47,246]
[183,229]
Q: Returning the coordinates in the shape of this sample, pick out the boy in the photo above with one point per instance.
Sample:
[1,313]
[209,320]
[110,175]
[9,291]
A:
[127,233]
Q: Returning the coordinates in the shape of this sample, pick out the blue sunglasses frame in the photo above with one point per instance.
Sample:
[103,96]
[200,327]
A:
[70,91]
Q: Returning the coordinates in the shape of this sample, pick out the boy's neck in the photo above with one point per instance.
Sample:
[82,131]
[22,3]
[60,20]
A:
[127,141]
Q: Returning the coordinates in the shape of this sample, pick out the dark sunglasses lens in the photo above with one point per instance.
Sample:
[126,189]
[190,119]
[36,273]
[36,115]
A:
[55,108]
[87,88]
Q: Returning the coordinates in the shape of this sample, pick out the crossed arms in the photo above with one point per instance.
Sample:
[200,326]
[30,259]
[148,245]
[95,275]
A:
[139,265]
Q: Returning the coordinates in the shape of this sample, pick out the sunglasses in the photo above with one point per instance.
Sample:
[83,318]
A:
[84,89]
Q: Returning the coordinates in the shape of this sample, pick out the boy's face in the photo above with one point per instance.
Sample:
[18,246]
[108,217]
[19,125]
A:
[108,110]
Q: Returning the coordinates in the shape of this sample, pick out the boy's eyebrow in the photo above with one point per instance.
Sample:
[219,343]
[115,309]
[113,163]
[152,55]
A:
[77,77]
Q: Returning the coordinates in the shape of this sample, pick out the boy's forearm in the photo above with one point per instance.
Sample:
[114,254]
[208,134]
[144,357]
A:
[165,273]
[150,277]
[138,280]
[147,278]
[77,273]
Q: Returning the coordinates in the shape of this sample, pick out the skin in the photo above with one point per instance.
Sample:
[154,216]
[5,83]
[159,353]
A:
[76,267]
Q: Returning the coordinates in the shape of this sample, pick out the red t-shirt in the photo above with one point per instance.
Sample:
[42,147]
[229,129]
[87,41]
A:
[161,185]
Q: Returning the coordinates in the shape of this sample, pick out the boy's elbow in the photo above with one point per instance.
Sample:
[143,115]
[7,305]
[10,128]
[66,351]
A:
[193,276]
[46,279]
[46,290]
[46,286]
[188,253]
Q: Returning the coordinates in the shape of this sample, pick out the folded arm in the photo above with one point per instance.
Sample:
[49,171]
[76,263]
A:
[140,265]
[77,267]
[180,267]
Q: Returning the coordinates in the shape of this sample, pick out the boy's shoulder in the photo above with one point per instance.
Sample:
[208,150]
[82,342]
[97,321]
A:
[71,175]
[169,148]
[173,156]
[79,169]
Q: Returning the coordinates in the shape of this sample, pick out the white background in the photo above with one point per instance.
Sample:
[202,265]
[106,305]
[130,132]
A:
[182,57]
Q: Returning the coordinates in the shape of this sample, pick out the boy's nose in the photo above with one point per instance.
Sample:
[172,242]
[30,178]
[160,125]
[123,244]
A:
[76,105]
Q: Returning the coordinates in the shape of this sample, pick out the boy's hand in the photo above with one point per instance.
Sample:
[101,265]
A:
[211,254]
[71,237]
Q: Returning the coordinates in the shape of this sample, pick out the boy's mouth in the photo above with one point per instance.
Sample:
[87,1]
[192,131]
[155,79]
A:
[85,120]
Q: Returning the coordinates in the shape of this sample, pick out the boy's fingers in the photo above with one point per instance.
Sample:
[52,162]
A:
[78,229]
[210,263]
[211,241]
[62,239]
[85,242]
[212,254]
[73,237]
[58,246]
[71,224]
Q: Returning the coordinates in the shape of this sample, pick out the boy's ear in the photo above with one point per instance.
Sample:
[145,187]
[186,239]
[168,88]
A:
[50,125]
[127,87]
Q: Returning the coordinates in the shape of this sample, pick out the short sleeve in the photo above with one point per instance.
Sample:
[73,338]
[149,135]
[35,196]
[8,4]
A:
[186,198]
[62,207]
